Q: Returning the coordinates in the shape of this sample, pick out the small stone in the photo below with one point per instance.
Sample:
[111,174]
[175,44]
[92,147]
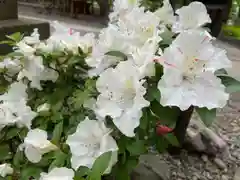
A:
[195,178]
[237,174]
[204,158]
[224,177]
[220,163]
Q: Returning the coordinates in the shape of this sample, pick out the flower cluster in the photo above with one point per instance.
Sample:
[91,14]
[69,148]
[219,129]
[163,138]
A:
[77,106]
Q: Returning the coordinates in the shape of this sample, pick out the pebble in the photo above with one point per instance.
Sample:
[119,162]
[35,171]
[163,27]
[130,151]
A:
[195,178]
[204,158]
[224,177]
[237,174]
[220,163]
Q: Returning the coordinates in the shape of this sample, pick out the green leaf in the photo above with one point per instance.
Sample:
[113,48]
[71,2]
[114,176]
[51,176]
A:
[131,163]
[18,158]
[172,139]
[12,132]
[57,132]
[59,161]
[15,37]
[153,93]
[161,144]
[206,115]
[100,166]
[30,172]
[82,171]
[145,119]
[9,42]
[167,37]
[232,85]
[166,115]
[117,54]
[5,152]
[137,148]
[122,174]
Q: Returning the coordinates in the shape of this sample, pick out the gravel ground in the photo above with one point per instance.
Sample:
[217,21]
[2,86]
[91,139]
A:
[201,167]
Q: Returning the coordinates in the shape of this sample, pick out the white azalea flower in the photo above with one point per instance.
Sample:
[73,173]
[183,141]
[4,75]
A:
[189,72]
[65,38]
[16,112]
[43,108]
[143,58]
[138,26]
[121,96]
[166,13]
[6,115]
[12,65]
[25,49]
[33,39]
[121,7]
[15,93]
[13,108]
[34,70]
[91,139]
[58,174]
[192,16]
[110,39]
[5,169]
[24,115]
[36,144]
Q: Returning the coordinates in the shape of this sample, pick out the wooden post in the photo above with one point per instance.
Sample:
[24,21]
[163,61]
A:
[181,129]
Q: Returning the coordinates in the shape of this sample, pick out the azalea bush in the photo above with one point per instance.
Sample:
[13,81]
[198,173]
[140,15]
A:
[86,107]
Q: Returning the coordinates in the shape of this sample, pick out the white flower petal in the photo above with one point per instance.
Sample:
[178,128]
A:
[36,144]
[58,174]
[32,154]
[5,169]
[91,139]
[192,16]
[128,122]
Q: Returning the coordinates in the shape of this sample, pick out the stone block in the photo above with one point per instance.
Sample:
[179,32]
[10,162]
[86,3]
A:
[151,167]
[8,9]
[25,26]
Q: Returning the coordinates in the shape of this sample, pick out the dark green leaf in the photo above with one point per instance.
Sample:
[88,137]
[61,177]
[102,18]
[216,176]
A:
[153,93]
[137,148]
[167,37]
[18,158]
[117,54]
[57,132]
[232,85]
[59,161]
[206,115]
[131,163]
[122,174]
[12,132]
[82,171]
[171,139]
[100,166]
[5,152]
[30,172]
[161,144]
[167,115]
[145,119]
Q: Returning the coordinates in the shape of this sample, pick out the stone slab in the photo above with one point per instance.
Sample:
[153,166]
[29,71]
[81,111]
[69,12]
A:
[25,26]
[8,9]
